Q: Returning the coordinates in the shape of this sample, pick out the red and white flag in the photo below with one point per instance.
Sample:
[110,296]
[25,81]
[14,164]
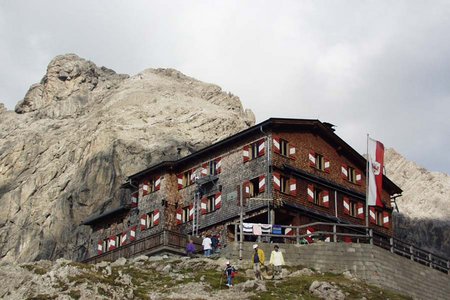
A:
[375,153]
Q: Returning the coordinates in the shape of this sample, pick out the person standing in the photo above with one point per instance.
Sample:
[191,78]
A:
[207,245]
[258,261]
[215,243]
[229,272]
[277,260]
[190,249]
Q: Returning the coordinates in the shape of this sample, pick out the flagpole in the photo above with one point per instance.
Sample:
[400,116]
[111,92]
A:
[367,182]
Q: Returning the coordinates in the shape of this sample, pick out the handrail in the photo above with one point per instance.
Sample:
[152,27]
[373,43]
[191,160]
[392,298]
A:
[394,245]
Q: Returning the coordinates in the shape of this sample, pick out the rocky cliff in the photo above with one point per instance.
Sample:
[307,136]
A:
[78,133]
[424,218]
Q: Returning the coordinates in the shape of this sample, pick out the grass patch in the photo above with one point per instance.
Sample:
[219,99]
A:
[43,297]
[293,287]
[35,269]
[74,294]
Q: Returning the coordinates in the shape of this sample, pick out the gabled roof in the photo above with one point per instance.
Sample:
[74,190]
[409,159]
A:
[323,129]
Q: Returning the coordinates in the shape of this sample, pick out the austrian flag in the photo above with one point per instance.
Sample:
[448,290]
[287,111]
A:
[375,153]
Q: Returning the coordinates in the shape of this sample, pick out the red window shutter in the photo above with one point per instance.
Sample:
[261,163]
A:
[134,199]
[344,171]
[325,198]
[276,144]
[112,242]
[100,247]
[158,183]
[360,207]
[293,186]
[218,165]
[156,217]
[276,181]
[246,188]
[191,212]
[312,159]
[146,188]
[358,177]
[261,147]
[386,219]
[180,181]
[204,206]
[326,165]
[123,238]
[310,230]
[288,230]
[346,202]
[218,200]
[310,193]
[178,216]
[245,153]
[143,222]
[292,151]
[372,215]
[204,169]
[262,183]
[133,233]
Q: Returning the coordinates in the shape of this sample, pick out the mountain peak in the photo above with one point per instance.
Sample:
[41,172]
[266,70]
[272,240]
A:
[67,87]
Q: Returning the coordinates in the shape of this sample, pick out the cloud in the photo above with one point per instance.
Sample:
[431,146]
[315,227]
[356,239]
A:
[368,67]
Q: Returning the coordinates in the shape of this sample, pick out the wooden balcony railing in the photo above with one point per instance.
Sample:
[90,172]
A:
[166,240]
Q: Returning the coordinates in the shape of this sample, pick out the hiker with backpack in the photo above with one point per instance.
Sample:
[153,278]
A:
[229,273]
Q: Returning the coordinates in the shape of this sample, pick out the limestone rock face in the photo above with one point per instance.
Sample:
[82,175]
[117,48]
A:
[424,217]
[70,85]
[77,134]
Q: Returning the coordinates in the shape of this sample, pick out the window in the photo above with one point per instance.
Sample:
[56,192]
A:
[118,240]
[284,147]
[318,196]
[284,184]
[351,175]
[254,187]
[379,217]
[105,245]
[320,163]
[149,221]
[185,215]
[150,186]
[212,170]
[187,178]
[353,209]
[210,206]
[253,150]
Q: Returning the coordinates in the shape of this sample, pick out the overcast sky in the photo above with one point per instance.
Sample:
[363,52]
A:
[377,67]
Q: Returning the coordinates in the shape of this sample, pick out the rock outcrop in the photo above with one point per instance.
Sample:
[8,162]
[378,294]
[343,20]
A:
[77,134]
[424,218]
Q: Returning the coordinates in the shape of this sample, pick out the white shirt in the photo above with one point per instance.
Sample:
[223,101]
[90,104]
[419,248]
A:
[276,258]
[207,243]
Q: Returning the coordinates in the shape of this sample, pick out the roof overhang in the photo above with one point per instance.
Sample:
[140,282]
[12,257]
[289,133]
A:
[92,220]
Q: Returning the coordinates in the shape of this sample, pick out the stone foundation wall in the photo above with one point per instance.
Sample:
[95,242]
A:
[367,262]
